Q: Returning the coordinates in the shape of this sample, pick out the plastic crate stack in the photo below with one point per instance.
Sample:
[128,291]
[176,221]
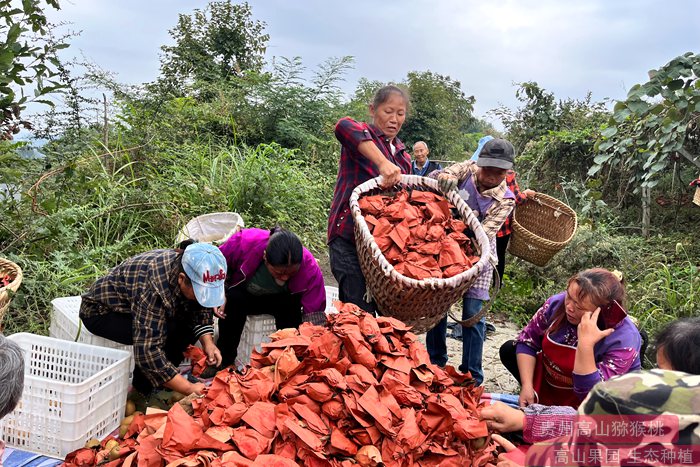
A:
[72,392]
[259,327]
[66,325]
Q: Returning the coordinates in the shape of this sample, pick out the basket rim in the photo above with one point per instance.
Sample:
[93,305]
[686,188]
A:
[388,268]
[14,285]
[565,207]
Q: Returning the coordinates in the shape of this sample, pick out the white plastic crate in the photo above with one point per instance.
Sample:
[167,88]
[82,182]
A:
[66,325]
[72,392]
[258,328]
[331,295]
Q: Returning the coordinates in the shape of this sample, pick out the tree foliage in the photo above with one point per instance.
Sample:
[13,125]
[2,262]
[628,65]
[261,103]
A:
[27,59]
[439,114]
[658,120]
[213,45]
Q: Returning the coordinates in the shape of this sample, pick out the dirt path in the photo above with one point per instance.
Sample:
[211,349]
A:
[496,377]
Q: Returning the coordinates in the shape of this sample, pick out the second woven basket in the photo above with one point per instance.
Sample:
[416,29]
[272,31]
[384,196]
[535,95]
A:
[418,303]
[541,227]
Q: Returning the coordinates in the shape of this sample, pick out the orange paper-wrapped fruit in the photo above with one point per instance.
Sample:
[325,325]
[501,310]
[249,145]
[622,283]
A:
[417,234]
[360,391]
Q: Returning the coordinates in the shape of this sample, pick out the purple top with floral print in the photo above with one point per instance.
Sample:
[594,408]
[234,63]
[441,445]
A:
[615,355]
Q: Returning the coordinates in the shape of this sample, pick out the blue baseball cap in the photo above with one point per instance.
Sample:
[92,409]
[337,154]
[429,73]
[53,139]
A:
[205,265]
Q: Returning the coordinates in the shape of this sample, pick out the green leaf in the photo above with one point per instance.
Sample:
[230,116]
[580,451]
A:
[637,106]
[676,84]
[602,158]
[635,91]
[13,33]
[622,115]
[605,145]
[609,132]
[594,170]
[6,58]
[652,89]
[658,166]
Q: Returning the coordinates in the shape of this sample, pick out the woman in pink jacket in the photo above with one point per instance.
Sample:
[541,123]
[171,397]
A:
[269,272]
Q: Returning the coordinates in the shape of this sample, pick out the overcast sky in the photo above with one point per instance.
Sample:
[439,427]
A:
[568,47]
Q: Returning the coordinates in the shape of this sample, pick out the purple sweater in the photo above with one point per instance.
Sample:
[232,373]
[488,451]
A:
[244,254]
[615,355]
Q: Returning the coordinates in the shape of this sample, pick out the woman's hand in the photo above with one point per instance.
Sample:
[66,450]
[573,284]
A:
[588,332]
[197,388]
[528,193]
[503,460]
[390,173]
[502,418]
[527,396]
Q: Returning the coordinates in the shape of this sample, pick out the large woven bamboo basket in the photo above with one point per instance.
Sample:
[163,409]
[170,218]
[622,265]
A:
[8,267]
[418,303]
[541,227]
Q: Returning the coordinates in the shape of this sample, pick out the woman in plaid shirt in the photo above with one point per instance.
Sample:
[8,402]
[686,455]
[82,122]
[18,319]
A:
[368,150]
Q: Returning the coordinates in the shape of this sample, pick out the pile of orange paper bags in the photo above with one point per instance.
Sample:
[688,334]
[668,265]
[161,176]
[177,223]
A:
[417,234]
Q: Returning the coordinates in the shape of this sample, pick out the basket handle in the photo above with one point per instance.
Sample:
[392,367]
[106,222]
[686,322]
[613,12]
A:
[468,323]
[558,211]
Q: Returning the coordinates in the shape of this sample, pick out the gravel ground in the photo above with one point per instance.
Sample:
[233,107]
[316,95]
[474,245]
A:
[496,377]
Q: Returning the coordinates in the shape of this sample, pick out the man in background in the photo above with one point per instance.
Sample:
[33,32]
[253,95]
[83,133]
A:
[421,164]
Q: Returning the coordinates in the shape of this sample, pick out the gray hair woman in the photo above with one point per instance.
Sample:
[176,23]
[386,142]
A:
[11,375]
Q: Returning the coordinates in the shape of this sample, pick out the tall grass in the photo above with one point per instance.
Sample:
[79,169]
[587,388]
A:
[99,209]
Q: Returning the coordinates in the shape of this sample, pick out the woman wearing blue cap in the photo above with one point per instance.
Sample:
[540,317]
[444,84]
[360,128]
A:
[154,301]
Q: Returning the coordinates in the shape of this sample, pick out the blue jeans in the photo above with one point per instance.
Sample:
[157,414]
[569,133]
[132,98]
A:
[436,343]
[472,341]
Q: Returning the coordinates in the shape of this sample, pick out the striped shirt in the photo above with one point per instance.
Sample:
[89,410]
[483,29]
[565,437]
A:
[146,286]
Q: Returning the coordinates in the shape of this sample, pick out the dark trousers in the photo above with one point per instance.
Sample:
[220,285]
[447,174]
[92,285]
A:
[509,358]
[119,328]
[501,246]
[345,266]
[285,307]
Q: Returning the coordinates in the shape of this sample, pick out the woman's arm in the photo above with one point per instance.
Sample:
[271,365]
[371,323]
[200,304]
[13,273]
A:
[390,172]
[526,367]
[356,135]
[617,357]
[586,373]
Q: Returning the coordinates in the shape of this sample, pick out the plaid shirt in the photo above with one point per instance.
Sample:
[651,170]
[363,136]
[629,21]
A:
[519,199]
[355,169]
[146,286]
[501,207]
[493,220]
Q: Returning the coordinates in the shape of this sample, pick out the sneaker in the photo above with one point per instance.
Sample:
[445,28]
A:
[490,328]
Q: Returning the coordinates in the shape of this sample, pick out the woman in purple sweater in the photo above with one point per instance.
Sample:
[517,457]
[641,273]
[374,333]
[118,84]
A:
[562,353]
[269,272]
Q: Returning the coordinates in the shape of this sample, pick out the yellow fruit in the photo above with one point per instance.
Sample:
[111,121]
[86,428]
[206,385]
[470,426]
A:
[130,408]
[114,453]
[109,445]
[176,397]
[92,443]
